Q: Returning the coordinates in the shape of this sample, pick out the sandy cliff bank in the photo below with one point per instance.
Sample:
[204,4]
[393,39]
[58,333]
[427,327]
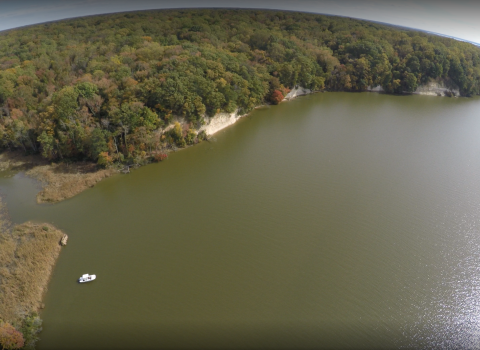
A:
[222,120]
[219,121]
[434,88]
[297,91]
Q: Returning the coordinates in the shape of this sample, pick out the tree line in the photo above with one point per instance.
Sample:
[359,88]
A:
[103,88]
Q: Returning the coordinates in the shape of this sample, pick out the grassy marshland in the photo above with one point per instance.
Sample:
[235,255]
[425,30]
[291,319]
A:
[28,253]
[59,180]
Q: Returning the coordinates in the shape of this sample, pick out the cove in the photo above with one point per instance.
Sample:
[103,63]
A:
[334,220]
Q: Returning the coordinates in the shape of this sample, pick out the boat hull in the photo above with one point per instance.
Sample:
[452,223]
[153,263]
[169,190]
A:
[87,278]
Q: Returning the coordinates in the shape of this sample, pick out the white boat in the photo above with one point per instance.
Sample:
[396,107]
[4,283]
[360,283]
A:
[87,278]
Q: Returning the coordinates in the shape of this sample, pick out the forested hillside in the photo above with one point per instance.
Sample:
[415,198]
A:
[102,87]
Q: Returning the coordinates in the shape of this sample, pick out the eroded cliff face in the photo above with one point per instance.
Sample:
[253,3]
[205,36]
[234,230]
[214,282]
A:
[222,120]
[434,88]
[377,88]
[219,121]
[297,91]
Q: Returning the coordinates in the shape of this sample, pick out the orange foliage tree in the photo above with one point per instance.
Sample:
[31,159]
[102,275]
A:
[276,97]
[10,338]
[160,156]
[104,159]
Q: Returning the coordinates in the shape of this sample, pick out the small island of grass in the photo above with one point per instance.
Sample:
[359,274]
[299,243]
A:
[28,253]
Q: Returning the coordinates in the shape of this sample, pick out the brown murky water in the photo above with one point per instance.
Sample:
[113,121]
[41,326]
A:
[335,220]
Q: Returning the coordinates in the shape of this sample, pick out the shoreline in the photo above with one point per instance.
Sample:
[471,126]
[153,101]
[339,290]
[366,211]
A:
[61,181]
[58,182]
[222,120]
[29,251]
[432,88]
[28,255]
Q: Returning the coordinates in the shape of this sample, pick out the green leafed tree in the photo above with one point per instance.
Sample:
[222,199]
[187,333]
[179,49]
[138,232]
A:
[65,102]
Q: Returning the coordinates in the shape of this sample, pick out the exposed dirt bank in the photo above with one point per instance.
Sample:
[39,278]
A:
[433,88]
[222,120]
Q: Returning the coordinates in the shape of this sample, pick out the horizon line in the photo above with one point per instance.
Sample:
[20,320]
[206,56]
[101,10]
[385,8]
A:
[247,9]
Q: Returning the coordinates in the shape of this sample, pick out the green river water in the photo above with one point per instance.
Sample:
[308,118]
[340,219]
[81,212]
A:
[336,220]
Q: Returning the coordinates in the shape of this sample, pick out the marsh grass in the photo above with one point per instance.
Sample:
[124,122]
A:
[63,181]
[59,181]
[27,255]
[17,161]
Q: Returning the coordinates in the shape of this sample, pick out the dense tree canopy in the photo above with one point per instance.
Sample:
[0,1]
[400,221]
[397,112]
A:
[103,87]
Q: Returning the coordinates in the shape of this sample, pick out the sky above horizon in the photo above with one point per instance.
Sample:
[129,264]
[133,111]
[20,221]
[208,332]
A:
[454,18]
